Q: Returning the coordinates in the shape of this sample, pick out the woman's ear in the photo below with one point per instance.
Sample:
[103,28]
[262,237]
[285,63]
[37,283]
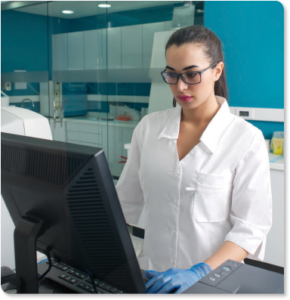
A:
[218,70]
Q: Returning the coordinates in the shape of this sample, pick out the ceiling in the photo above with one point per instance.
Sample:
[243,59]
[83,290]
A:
[88,8]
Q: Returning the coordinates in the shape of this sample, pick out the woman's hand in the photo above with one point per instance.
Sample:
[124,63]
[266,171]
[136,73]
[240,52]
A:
[175,280]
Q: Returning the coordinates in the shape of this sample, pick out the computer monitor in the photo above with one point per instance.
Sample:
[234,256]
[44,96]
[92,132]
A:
[62,199]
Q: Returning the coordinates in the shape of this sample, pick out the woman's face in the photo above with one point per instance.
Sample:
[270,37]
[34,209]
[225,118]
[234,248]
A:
[191,57]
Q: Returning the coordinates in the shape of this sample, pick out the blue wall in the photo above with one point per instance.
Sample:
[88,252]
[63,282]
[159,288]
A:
[24,42]
[252,34]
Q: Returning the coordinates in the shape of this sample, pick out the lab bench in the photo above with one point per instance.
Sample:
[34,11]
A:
[91,131]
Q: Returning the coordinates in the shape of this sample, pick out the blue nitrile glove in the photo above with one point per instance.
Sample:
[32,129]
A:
[175,279]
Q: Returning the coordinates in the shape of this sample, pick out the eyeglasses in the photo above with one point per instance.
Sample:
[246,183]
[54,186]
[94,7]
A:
[189,77]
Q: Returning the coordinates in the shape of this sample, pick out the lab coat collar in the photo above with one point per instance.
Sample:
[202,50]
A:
[213,131]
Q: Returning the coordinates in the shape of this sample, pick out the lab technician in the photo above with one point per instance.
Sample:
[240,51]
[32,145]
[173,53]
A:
[200,173]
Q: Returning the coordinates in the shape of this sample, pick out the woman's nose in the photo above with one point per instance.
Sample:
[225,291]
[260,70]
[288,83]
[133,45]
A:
[181,85]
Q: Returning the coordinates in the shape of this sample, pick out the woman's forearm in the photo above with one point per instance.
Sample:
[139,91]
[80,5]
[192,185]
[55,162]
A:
[228,250]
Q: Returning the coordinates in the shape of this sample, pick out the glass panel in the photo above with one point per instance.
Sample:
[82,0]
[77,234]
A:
[135,60]
[24,55]
[92,72]
[78,72]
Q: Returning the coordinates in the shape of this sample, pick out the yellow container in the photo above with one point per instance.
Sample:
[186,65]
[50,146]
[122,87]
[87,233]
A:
[277,146]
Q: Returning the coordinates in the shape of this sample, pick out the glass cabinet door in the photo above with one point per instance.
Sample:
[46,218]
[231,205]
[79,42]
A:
[89,69]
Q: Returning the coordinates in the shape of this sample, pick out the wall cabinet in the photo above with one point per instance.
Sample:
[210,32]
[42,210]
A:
[95,47]
[131,46]
[59,52]
[113,48]
[147,39]
[76,60]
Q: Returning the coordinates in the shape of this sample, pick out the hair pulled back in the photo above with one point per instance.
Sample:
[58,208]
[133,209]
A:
[211,45]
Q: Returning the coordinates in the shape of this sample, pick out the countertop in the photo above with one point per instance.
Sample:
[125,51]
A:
[276,161]
[98,121]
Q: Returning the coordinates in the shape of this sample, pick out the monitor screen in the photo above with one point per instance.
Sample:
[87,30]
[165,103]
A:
[70,190]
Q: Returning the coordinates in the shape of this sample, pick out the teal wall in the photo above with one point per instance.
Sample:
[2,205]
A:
[252,34]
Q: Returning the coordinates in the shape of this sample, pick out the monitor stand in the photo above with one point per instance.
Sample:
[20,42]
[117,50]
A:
[26,233]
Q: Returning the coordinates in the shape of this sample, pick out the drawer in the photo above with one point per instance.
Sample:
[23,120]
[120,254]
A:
[92,138]
[85,143]
[83,127]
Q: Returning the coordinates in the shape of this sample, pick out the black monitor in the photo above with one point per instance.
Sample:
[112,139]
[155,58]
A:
[62,200]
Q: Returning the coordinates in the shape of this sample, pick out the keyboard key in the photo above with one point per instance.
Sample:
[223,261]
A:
[84,287]
[73,281]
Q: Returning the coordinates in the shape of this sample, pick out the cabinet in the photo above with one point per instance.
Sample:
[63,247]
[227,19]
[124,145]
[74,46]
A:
[117,137]
[114,48]
[59,132]
[276,237]
[97,134]
[76,50]
[131,46]
[95,45]
[147,41]
[60,52]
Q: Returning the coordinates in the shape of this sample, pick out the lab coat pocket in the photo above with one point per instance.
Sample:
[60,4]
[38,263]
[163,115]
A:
[212,198]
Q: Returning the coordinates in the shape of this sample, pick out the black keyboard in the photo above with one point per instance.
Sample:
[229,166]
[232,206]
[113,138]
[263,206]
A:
[74,279]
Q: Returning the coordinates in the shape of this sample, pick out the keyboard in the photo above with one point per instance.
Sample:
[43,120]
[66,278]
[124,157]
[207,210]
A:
[74,279]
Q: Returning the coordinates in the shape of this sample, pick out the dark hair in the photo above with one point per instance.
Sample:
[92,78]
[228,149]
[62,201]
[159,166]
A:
[211,45]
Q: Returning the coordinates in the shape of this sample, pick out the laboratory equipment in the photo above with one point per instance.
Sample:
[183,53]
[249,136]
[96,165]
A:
[4,99]
[22,121]
[277,143]
[63,201]
[233,277]
[180,279]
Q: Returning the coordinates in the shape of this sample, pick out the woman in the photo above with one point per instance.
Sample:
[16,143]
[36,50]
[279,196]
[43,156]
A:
[200,173]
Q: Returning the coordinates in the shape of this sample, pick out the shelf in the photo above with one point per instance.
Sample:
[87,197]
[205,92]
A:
[41,76]
[110,75]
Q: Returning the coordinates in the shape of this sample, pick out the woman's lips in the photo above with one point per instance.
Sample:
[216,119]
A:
[184,98]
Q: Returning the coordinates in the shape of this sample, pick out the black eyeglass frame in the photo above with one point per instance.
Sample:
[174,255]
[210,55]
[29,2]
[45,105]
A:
[182,77]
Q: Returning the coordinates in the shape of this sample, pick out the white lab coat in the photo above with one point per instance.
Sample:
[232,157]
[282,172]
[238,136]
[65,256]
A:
[220,191]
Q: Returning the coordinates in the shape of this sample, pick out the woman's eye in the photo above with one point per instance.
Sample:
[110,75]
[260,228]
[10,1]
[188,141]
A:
[191,74]
[171,75]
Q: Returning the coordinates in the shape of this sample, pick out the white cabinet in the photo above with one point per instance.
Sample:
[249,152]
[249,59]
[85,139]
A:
[276,237]
[58,131]
[114,48]
[148,35]
[118,47]
[59,52]
[83,133]
[131,47]
[76,51]
[95,45]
